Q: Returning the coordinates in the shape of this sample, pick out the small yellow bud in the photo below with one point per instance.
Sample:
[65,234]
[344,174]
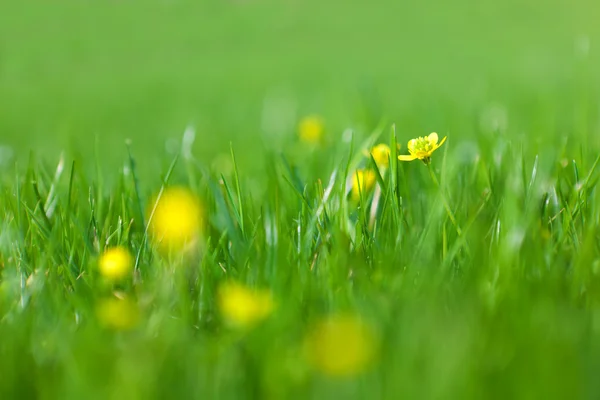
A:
[243,307]
[381,155]
[116,263]
[340,346]
[363,181]
[118,314]
[311,129]
[176,218]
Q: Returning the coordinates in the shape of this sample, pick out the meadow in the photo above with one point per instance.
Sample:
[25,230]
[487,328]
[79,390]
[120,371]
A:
[219,200]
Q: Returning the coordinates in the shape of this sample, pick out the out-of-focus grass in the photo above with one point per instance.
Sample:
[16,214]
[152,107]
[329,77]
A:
[76,73]
[508,308]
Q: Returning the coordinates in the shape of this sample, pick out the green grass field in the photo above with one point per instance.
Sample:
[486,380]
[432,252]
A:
[476,276]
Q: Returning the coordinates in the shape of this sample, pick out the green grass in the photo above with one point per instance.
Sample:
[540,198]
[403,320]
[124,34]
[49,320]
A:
[508,308]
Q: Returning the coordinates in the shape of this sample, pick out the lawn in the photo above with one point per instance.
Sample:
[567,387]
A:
[205,199]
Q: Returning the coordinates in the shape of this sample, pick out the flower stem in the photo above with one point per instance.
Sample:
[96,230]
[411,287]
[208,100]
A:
[444,200]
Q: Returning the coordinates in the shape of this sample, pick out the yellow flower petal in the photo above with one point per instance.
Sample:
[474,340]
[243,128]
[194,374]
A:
[412,144]
[403,157]
[442,142]
[433,138]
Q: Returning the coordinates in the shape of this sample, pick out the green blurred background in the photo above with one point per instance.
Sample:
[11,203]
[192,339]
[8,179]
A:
[83,76]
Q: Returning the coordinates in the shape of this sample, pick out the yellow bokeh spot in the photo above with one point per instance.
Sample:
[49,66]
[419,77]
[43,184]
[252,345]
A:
[341,346]
[118,314]
[115,263]
[363,181]
[243,307]
[176,218]
[381,155]
[311,129]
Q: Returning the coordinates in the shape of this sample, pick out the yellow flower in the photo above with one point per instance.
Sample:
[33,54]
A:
[311,129]
[381,155]
[116,263]
[363,181]
[243,307]
[118,314]
[340,346]
[422,148]
[176,218]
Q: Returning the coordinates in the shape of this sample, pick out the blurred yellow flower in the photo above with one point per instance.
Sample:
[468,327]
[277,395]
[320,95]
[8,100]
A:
[363,181]
[118,314]
[311,129]
[243,307]
[115,263]
[381,155]
[176,218]
[340,346]
[421,148]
